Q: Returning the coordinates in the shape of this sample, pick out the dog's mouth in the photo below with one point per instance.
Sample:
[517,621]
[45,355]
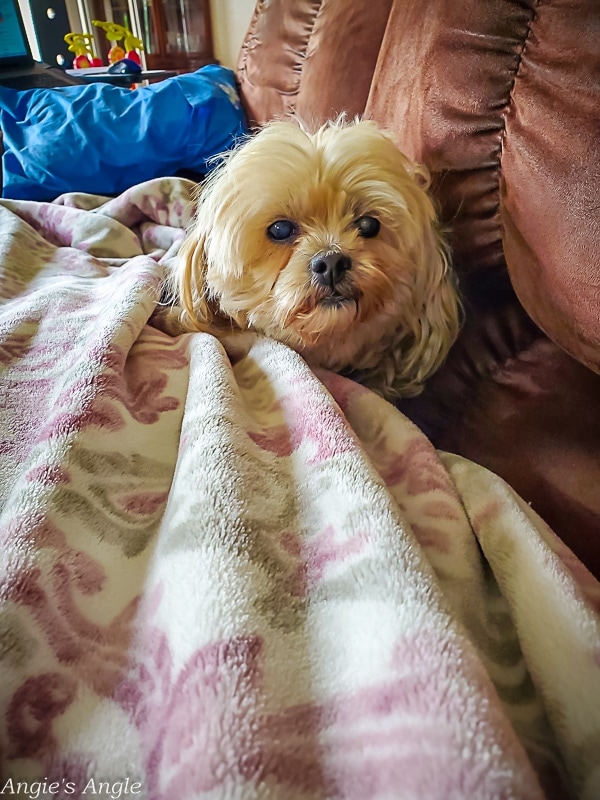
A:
[325,300]
[335,300]
[342,294]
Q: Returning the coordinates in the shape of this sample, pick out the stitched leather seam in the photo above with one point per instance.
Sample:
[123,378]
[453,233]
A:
[302,53]
[507,107]
[258,9]
[517,72]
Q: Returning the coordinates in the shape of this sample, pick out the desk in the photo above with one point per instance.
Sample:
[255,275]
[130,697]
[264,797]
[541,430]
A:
[123,79]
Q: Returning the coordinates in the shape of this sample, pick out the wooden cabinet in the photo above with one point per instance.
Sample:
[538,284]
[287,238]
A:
[176,34]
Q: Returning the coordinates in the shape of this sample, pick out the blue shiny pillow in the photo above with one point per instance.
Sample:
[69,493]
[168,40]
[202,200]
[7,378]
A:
[103,139]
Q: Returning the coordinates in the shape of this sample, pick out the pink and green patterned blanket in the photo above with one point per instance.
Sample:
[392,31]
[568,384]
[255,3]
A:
[225,576]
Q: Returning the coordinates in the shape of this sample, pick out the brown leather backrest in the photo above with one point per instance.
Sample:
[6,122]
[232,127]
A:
[500,100]
[550,190]
[442,84]
[311,58]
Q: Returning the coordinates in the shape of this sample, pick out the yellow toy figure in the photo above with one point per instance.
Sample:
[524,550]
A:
[79,43]
[114,34]
[132,44]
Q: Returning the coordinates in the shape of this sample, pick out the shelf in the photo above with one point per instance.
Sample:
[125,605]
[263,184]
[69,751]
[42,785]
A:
[177,34]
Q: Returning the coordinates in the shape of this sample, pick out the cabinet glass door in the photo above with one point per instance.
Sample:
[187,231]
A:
[147,26]
[185,26]
[176,34]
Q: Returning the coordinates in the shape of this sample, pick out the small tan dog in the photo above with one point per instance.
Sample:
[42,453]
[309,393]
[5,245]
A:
[328,242]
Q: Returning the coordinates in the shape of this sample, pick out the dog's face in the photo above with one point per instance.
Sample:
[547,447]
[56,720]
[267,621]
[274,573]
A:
[328,243]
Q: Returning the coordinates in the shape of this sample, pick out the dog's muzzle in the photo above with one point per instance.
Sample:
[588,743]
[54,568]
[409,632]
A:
[329,267]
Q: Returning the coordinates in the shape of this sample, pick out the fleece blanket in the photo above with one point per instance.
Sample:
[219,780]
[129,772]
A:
[224,575]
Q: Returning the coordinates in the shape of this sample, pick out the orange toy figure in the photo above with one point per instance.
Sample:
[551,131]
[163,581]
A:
[114,34]
[79,43]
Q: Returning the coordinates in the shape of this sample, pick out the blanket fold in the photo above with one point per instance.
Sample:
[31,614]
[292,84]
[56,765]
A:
[224,575]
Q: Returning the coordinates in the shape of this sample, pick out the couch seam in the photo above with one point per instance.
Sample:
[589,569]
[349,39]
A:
[302,57]
[499,241]
[251,33]
[505,107]
[510,102]
[490,375]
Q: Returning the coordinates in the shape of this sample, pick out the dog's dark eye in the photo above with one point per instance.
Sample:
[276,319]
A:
[281,230]
[368,227]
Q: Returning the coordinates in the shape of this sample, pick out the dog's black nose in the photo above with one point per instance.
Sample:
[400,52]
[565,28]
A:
[329,266]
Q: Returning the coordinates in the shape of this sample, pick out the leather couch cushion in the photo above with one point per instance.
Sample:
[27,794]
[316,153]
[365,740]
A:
[501,101]
[310,58]
[511,400]
[551,176]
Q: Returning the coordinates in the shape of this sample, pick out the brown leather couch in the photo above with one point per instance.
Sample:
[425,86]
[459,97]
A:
[501,101]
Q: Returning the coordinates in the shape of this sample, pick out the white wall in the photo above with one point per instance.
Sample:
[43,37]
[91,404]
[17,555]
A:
[230,21]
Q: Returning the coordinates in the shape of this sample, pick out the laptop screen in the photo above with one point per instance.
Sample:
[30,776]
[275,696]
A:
[13,41]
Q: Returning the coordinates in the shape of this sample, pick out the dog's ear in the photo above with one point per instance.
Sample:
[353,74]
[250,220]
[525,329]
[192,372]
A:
[188,284]
[436,321]
[426,334]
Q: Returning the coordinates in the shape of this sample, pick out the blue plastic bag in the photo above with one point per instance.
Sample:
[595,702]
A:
[103,139]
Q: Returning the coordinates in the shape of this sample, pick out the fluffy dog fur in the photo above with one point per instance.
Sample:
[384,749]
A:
[391,311]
